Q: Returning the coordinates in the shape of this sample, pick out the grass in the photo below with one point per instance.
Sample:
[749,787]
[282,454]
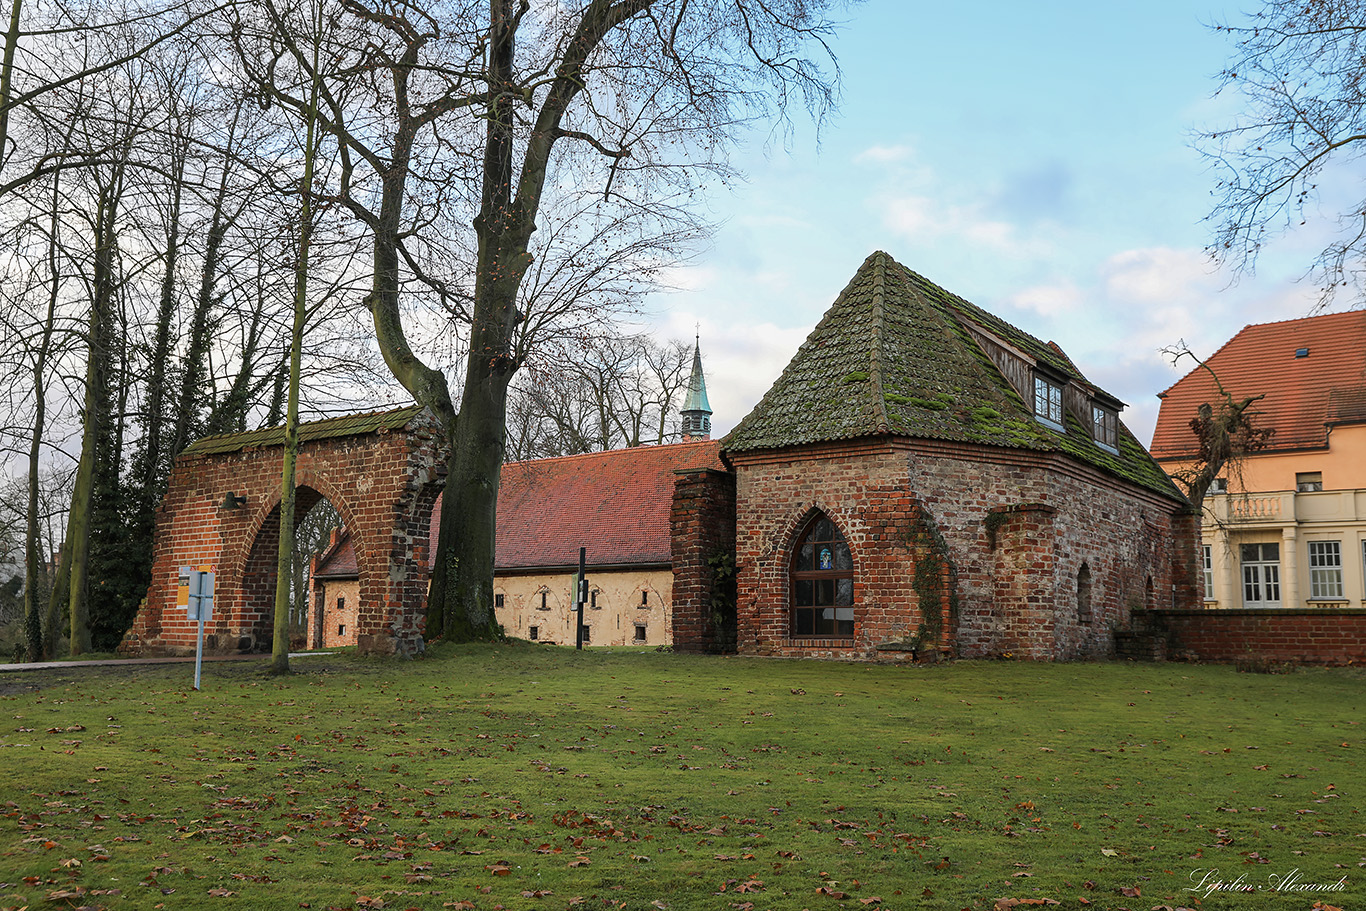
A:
[513,776]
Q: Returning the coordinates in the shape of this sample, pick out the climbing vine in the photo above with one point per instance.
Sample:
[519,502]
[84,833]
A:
[723,599]
[935,581]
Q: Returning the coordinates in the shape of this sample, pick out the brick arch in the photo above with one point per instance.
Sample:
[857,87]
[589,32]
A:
[382,471]
[792,530]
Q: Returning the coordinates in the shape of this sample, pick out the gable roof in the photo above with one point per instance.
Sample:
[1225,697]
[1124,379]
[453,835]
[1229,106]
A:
[898,355]
[615,503]
[338,559]
[1304,396]
[346,425]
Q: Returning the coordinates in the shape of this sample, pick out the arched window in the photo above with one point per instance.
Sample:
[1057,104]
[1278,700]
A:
[822,582]
[1084,594]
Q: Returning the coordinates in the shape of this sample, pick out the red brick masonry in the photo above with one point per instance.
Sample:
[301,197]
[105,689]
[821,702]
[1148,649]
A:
[1311,636]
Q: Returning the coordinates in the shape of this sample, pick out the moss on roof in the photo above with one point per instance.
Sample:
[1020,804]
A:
[893,356]
[349,425]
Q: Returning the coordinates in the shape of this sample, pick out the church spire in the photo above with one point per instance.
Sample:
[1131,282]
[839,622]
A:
[696,408]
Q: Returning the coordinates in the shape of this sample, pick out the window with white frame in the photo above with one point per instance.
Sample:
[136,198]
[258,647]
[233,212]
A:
[1207,561]
[1047,400]
[1308,481]
[1325,569]
[1261,574]
[1105,427]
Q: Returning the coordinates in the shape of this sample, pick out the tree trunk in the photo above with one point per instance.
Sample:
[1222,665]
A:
[96,408]
[284,566]
[196,352]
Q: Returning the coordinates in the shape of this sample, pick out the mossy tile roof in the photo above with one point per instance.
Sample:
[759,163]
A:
[348,425]
[893,355]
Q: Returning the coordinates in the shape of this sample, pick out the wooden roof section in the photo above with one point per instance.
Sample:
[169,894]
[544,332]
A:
[1312,372]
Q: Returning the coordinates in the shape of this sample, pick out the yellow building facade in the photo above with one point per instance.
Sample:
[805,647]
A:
[1285,525]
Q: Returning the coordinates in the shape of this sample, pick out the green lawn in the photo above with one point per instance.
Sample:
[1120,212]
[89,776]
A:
[516,776]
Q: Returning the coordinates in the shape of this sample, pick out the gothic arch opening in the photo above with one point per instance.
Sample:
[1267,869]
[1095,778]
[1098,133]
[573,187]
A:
[1084,594]
[822,578]
[316,519]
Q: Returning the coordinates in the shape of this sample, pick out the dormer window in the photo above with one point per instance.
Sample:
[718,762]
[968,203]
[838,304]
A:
[1105,427]
[1048,401]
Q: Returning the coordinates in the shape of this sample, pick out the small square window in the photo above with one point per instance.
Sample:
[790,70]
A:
[1047,400]
[640,632]
[533,632]
[341,629]
[586,632]
[341,604]
[1308,481]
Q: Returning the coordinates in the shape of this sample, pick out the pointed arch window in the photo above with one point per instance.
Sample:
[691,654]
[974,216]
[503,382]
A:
[822,582]
[1084,594]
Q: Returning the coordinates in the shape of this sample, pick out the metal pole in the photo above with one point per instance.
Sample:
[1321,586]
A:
[199,649]
[579,599]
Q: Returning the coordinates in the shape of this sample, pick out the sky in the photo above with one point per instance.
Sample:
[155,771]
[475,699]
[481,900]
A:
[1035,158]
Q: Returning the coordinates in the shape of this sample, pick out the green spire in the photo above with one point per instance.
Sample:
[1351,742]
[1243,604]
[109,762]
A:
[696,408]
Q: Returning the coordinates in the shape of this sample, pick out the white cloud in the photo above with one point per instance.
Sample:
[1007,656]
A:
[923,220]
[741,360]
[880,154]
[1048,300]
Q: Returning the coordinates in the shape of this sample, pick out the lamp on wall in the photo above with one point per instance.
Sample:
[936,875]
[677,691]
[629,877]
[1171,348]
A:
[232,501]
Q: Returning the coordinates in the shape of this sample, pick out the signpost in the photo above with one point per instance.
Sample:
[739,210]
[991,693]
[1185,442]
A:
[580,599]
[195,592]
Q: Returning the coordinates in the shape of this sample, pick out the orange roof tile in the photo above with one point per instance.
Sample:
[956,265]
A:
[614,503]
[338,561]
[1304,395]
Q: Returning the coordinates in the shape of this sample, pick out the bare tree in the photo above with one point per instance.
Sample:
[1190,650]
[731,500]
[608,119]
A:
[606,391]
[513,104]
[1225,431]
[1299,67]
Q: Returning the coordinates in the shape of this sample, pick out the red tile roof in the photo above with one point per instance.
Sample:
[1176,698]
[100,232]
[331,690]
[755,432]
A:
[338,561]
[1304,395]
[614,503]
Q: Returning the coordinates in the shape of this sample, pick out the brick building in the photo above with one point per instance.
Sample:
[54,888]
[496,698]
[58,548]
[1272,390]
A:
[925,478]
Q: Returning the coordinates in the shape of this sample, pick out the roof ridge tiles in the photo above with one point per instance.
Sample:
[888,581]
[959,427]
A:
[879,401]
[624,450]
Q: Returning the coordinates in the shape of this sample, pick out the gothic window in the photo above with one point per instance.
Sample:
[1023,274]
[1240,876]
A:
[822,582]
[1084,594]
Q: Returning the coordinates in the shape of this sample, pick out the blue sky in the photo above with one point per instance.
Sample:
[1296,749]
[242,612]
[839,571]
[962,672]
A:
[1034,158]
